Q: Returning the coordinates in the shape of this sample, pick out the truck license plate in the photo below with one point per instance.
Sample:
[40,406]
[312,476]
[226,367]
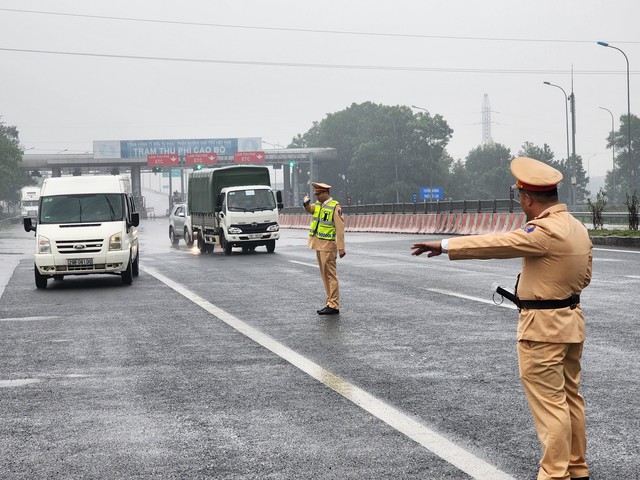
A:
[255,235]
[80,262]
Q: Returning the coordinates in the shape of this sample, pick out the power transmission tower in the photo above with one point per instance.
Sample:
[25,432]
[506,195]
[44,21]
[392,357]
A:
[486,121]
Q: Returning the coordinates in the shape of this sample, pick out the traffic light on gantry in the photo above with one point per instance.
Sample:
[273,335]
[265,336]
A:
[292,163]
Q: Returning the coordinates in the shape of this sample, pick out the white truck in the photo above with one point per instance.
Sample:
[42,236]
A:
[86,225]
[29,199]
[234,207]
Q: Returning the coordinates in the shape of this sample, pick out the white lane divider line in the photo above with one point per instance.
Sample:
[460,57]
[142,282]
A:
[505,304]
[305,264]
[437,444]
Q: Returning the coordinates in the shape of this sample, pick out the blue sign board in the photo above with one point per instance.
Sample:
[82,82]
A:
[142,148]
[431,193]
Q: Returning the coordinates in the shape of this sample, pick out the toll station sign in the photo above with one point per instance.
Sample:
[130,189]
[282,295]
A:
[163,159]
[248,157]
[201,159]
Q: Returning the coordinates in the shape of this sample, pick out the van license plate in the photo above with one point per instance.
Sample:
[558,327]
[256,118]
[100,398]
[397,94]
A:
[79,262]
[255,235]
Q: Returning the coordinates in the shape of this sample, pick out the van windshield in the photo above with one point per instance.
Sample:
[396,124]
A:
[103,207]
[250,200]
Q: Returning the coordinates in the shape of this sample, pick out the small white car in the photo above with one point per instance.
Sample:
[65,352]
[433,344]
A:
[180,225]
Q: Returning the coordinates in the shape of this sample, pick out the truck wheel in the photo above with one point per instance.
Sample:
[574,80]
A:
[172,237]
[188,237]
[127,275]
[136,265]
[226,246]
[201,245]
[271,246]
[41,280]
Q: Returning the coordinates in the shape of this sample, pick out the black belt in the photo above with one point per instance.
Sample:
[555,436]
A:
[572,302]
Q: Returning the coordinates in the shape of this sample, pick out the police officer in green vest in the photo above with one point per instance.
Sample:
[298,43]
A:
[326,237]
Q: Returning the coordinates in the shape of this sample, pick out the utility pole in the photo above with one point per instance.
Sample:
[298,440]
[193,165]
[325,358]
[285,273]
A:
[574,159]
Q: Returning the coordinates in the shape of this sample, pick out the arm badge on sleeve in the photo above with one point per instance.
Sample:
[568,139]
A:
[529,227]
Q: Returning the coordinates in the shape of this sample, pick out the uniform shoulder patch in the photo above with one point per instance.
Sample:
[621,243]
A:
[339,212]
[529,227]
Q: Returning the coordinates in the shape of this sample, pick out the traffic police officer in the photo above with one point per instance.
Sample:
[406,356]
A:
[556,266]
[326,237]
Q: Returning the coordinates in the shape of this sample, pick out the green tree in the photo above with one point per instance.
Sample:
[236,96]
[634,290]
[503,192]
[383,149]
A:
[489,173]
[385,152]
[12,178]
[626,176]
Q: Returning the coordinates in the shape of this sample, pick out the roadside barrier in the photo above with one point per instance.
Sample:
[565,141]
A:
[420,223]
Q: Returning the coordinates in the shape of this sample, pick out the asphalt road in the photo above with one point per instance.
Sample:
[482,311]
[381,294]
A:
[213,366]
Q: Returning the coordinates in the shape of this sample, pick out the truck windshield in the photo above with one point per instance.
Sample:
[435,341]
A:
[250,200]
[103,207]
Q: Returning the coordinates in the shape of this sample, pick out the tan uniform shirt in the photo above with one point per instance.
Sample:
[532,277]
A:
[556,263]
[320,245]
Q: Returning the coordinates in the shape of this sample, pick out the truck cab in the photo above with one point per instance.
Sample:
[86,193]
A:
[248,218]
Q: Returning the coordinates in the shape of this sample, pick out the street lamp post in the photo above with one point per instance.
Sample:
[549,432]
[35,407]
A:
[395,153]
[429,158]
[631,177]
[566,114]
[613,155]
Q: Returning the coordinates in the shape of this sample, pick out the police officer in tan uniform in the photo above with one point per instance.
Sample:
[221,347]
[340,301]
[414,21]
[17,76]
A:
[326,237]
[556,266]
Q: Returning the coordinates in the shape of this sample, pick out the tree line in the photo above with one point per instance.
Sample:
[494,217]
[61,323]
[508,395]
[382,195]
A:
[388,153]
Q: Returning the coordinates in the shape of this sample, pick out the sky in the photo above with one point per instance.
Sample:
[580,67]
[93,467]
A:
[74,71]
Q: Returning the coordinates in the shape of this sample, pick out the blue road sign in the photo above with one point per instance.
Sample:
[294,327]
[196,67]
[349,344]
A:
[431,193]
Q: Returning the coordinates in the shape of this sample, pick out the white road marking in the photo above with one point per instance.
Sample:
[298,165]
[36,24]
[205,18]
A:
[632,276]
[27,319]
[18,383]
[437,444]
[505,304]
[619,251]
[305,264]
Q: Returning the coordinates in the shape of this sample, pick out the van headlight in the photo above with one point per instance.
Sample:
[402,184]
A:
[44,246]
[273,228]
[235,230]
[115,241]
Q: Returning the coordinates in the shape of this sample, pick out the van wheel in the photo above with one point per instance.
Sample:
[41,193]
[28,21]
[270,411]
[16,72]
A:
[127,275]
[188,237]
[172,237]
[226,246]
[136,265]
[271,246]
[41,280]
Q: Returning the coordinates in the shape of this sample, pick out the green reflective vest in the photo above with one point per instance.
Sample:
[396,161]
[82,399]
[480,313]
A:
[322,225]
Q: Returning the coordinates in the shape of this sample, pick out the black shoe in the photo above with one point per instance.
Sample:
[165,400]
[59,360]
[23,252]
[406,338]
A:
[328,311]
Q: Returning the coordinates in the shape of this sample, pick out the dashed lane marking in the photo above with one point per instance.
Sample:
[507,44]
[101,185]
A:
[435,443]
[305,264]
[475,299]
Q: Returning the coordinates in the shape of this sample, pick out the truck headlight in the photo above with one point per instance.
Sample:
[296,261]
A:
[235,230]
[273,228]
[115,241]
[44,246]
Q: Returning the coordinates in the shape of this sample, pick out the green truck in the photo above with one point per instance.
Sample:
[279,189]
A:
[234,207]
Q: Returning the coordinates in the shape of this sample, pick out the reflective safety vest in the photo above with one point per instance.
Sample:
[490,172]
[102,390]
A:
[322,225]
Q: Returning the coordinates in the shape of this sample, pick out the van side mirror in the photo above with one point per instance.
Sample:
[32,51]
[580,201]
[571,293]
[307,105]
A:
[279,200]
[28,225]
[135,219]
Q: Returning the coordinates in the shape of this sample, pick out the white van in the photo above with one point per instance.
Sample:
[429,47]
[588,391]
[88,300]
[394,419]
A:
[86,225]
